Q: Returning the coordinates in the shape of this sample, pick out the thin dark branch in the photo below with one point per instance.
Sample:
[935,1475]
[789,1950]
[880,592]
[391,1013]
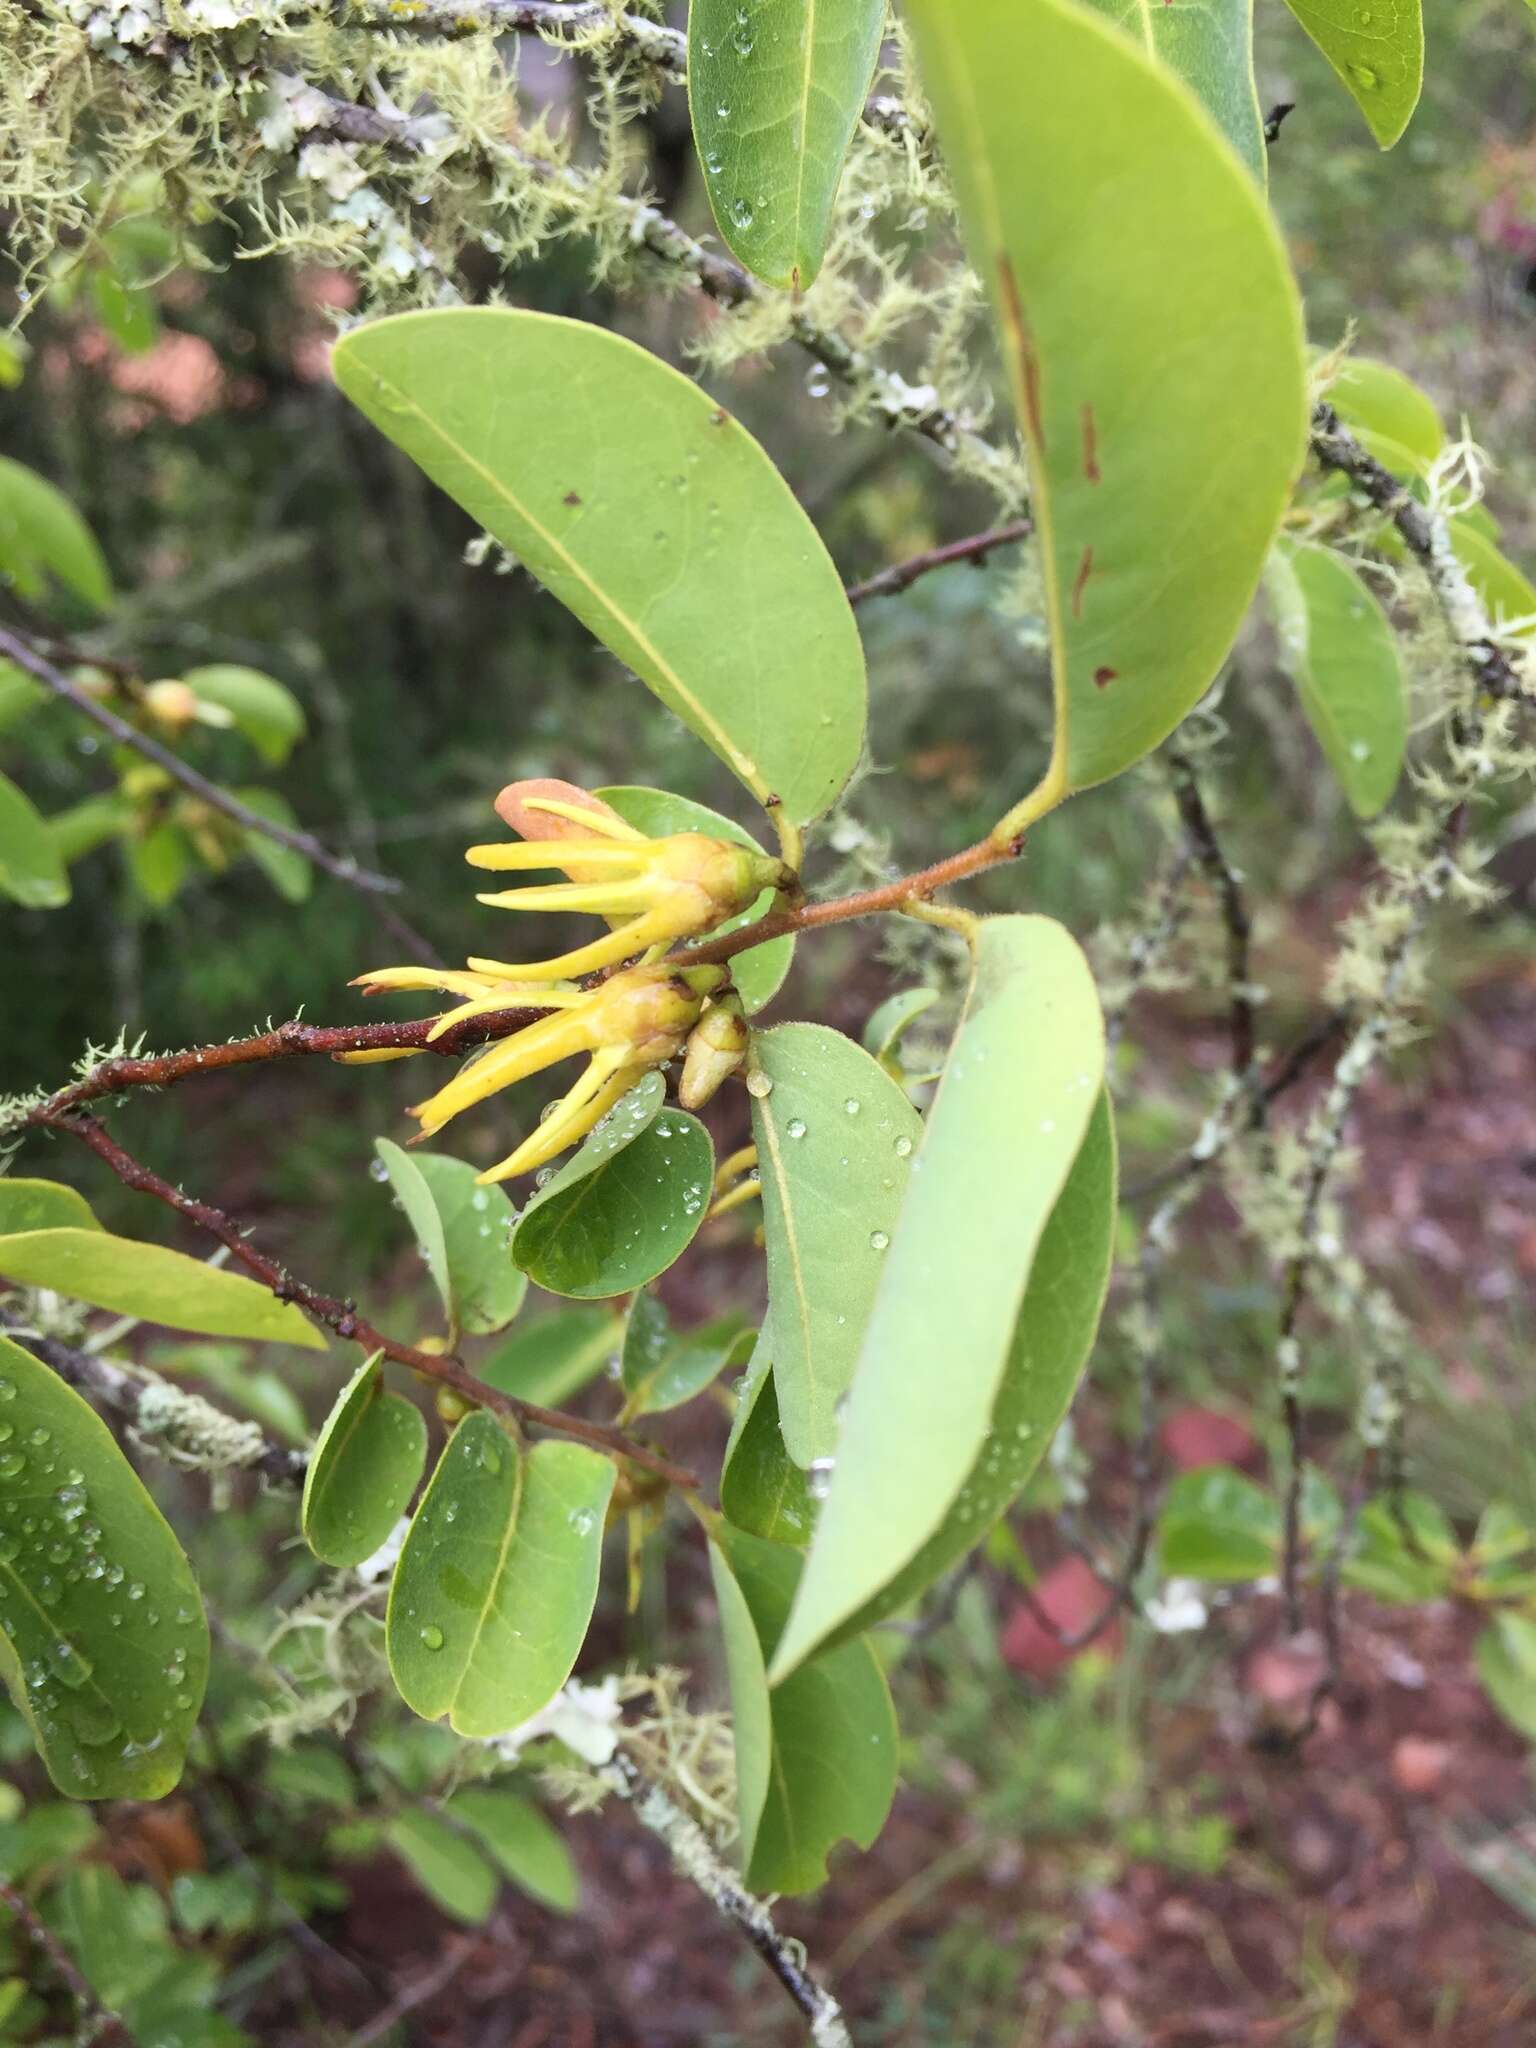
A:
[98,2023]
[26,656]
[1226,883]
[902,575]
[1274,120]
[342,1316]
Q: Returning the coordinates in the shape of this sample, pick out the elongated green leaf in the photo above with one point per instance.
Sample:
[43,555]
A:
[450,1869]
[32,870]
[1217,1524]
[889,1024]
[84,826]
[648,511]
[751,1709]
[625,1206]
[524,1845]
[1506,1663]
[363,1470]
[157,1285]
[290,874]
[1506,590]
[1163,410]
[1378,52]
[1371,395]
[1021,1084]
[103,1645]
[1058,1320]
[42,1205]
[494,1589]
[662,1368]
[464,1234]
[776,88]
[762,1489]
[553,1357]
[831,1767]
[835,1138]
[758,974]
[1340,651]
[42,535]
[1209,44]
[264,710]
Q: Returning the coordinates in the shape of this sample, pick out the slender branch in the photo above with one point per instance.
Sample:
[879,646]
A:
[191,1430]
[98,2022]
[1227,884]
[902,575]
[695,1857]
[26,656]
[342,1316]
[1427,537]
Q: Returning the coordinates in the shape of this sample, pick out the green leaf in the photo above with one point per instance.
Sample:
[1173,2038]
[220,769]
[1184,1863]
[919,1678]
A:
[526,1848]
[1339,649]
[552,1358]
[42,1205]
[775,95]
[84,826]
[265,711]
[19,695]
[160,862]
[1209,44]
[1405,1551]
[103,1645]
[41,534]
[363,1470]
[128,316]
[1022,1082]
[1377,51]
[831,1766]
[662,1368]
[762,1489]
[835,1139]
[1506,1663]
[1109,221]
[1216,1524]
[449,1869]
[156,1285]
[31,868]
[751,1707]
[1504,589]
[627,1205]
[758,974]
[889,1024]
[1375,398]
[647,510]
[495,1585]
[1052,1339]
[289,872]
[463,1233]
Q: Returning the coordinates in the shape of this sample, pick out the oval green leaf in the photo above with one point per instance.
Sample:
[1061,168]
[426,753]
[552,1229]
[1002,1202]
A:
[661,1368]
[553,1357]
[1209,44]
[264,711]
[627,1205]
[463,1232]
[1163,408]
[1505,590]
[495,1586]
[1377,51]
[758,974]
[156,1285]
[104,1649]
[42,535]
[42,1205]
[831,1730]
[363,1470]
[525,1847]
[32,870]
[1338,647]
[646,509]
[1217,1524]
[1378,399]
[776,90]
[449,1868]
[835,1140]
[1022,1082]
[762,1489]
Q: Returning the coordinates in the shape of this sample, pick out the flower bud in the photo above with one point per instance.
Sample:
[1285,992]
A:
[717,1045]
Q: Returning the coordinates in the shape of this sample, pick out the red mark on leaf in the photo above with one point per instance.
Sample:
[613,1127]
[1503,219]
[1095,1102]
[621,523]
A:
[1102,676]
[1090,446]
[1079,582]
[1019,340]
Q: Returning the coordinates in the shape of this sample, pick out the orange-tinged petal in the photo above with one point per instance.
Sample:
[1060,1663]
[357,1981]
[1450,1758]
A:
[607,823]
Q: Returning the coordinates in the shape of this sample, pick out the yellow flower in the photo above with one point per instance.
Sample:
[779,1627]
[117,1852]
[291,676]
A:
[661,889]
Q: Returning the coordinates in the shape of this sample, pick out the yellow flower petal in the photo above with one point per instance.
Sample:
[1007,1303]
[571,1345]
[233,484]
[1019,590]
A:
[375,1056]
[446,979]
[525,1052]
[553,853]
[606,1081]
[617,898]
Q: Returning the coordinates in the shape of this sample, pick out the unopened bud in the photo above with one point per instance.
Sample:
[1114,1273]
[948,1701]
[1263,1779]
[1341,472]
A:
[717,1046]
[171,704]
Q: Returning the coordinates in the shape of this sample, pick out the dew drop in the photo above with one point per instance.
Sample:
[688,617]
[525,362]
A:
[759,1084]
[377,1170]
[12,1464]
[796,1127]
[853,1105]
[878,1240]
[432,1637]
[903,1148]
[741,210]
[818,1477]
[1364,77]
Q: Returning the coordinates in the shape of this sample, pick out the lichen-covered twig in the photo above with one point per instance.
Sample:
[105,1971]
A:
[99,2026]
[695,1857]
